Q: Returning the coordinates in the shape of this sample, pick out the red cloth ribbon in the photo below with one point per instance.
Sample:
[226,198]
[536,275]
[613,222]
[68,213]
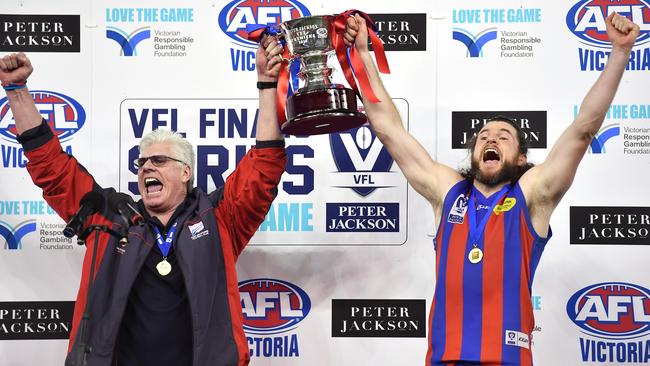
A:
[355,66]
[350,69]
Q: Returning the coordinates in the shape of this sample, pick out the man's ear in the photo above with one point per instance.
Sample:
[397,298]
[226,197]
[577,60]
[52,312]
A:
[187,174]
[522,160]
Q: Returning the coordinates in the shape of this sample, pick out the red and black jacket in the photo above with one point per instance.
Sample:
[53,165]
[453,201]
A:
[231,215]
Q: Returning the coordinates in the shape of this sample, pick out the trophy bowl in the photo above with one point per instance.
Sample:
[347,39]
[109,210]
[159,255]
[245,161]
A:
[320,106]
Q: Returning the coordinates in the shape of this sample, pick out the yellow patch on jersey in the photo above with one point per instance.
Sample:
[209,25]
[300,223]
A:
[507,205]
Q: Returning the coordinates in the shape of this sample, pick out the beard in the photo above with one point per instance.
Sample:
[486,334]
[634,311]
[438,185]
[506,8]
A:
[509,172]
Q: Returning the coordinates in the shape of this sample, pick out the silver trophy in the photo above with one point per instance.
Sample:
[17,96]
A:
[320,106]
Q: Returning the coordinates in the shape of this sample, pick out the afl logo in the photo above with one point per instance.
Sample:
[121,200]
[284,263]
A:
[611,310]
[586,20]
[64,115]
[272,306]
[234,17]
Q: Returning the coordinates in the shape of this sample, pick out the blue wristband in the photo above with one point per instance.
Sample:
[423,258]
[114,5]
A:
[9,87]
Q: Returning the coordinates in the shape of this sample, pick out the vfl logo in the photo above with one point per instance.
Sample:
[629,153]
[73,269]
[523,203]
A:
[360,151]
[272,306]
[234,17]
[13,236]
[597,145]
[586,19]
[457,212]
[128,42]
[474,44]
[611,310]
[64,115]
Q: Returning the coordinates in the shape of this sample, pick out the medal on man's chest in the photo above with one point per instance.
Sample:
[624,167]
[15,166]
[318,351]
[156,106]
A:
[164,267]
[475,255]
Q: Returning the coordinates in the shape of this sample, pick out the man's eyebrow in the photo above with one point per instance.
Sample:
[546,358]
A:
[506,130]
[500,130]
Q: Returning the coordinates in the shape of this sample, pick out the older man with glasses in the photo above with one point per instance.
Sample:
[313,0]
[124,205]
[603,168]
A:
[170,296]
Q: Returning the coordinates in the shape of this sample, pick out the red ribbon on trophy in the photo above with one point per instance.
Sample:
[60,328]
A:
[343,115]
[355,65]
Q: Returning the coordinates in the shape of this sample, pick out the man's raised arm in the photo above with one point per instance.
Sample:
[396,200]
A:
[14,71]
[428,177]
[550,180]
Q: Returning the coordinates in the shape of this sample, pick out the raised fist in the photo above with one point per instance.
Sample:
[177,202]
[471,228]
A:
[15,69]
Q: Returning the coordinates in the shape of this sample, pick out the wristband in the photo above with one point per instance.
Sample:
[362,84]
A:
[267,85]
[14,86]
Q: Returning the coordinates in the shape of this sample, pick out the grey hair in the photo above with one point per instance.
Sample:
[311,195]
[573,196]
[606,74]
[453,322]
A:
[182,149]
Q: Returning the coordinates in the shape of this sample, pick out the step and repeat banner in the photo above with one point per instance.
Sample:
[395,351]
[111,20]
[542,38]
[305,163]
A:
[342,270]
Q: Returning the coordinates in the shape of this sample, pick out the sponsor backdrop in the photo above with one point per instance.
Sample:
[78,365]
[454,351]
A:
[342,270]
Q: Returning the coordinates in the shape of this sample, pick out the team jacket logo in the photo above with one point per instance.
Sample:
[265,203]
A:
[128,42]
[64,115]
[360,151]
[13,235]
[272,306]
[197,230]
[611,310]
[586,19]
[234,17]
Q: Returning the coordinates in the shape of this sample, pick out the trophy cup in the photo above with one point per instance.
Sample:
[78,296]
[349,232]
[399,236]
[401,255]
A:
[320,106]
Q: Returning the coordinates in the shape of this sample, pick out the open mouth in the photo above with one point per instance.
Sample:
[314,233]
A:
[152,185]
[491,155]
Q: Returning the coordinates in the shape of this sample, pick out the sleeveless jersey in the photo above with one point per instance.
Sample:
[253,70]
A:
[482,312]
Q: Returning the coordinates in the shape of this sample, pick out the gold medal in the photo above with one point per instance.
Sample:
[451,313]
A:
[163,267]
[475,255]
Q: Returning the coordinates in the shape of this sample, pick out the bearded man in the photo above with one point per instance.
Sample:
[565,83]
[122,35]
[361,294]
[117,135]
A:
[494,217]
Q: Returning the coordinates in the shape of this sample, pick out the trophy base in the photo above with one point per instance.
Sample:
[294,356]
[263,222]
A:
[320,111]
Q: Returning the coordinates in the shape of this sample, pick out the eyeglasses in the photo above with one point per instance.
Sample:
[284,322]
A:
[156,160]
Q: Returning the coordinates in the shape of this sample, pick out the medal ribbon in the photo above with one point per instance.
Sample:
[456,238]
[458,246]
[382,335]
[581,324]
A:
[475,231]
[167,243]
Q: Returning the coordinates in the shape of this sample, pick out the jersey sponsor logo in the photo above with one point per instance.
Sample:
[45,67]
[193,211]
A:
[614,310]
[64,115]
[507,205]
[234,17]
[457,212]
[518,339]
[586,20]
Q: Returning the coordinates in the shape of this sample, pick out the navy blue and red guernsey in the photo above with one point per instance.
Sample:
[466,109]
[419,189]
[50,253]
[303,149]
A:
[212,231]
[482,312]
